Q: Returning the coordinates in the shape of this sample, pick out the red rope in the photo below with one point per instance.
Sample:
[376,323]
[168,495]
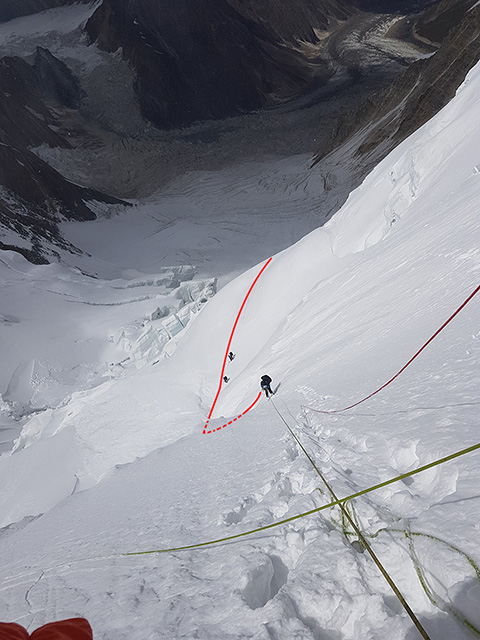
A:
[230,342]
[408,363]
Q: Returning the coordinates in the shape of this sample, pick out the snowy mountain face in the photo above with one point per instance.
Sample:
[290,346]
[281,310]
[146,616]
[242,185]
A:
[117,431]
[124,466]
[62,111]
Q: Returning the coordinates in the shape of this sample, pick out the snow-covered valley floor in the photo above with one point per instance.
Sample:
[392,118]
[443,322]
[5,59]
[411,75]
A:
[113,377]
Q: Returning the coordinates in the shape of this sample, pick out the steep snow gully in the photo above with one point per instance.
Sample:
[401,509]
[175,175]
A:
[227,351]
[124,466]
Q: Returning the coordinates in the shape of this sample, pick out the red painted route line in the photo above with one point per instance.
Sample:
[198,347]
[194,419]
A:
[234,419]
[464,303]
[226,356]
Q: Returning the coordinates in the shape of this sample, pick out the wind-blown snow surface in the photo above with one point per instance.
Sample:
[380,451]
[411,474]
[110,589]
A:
[331,318]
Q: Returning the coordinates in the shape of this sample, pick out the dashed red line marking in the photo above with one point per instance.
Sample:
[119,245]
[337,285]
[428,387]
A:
[226,356]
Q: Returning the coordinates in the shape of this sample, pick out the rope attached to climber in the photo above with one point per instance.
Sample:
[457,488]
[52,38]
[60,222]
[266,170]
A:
[355,404]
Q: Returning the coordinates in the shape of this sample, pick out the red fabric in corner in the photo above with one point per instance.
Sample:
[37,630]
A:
[12,631]
[73,629]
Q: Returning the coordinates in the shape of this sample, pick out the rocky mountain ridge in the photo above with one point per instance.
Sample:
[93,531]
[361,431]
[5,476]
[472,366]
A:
[34,197]
[98,100]
[378,125]
[195,61]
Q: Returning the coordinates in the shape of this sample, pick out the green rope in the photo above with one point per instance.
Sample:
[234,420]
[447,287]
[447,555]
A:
[470,560]
[429,592]
[418,568]
[362,539]
[334,503]
[198,545]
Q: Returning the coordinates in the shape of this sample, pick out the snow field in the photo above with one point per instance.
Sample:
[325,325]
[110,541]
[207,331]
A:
[22,35]
[220,221]
[65,333]
[331,319]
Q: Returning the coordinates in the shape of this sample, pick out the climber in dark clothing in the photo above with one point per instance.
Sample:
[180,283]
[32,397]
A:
[265,383]
[231,356]
[226,378]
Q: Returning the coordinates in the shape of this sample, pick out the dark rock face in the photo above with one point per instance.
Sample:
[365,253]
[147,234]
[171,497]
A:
[294,20]
[210,59]
[205,60]
[440,76]
[426,86]
[43,189]
[435,24]
[33,196]
[55,82]
[24,117]
[193,61]
[393,6]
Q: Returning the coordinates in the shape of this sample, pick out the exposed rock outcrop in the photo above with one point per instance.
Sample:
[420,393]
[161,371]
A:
[438,20]
[393,6]
[25,120]
[206,60]
[296,20]
[43,189]
[33,196]
[380,124]
[183,61]
[201,60]
[55,82]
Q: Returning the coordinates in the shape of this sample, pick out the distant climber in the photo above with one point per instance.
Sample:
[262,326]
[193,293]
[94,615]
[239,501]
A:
[226,379]
[265,383]
[231,356]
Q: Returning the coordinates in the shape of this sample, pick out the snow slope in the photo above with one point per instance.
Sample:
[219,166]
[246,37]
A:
[331,318]
[220,221]
[64,333]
